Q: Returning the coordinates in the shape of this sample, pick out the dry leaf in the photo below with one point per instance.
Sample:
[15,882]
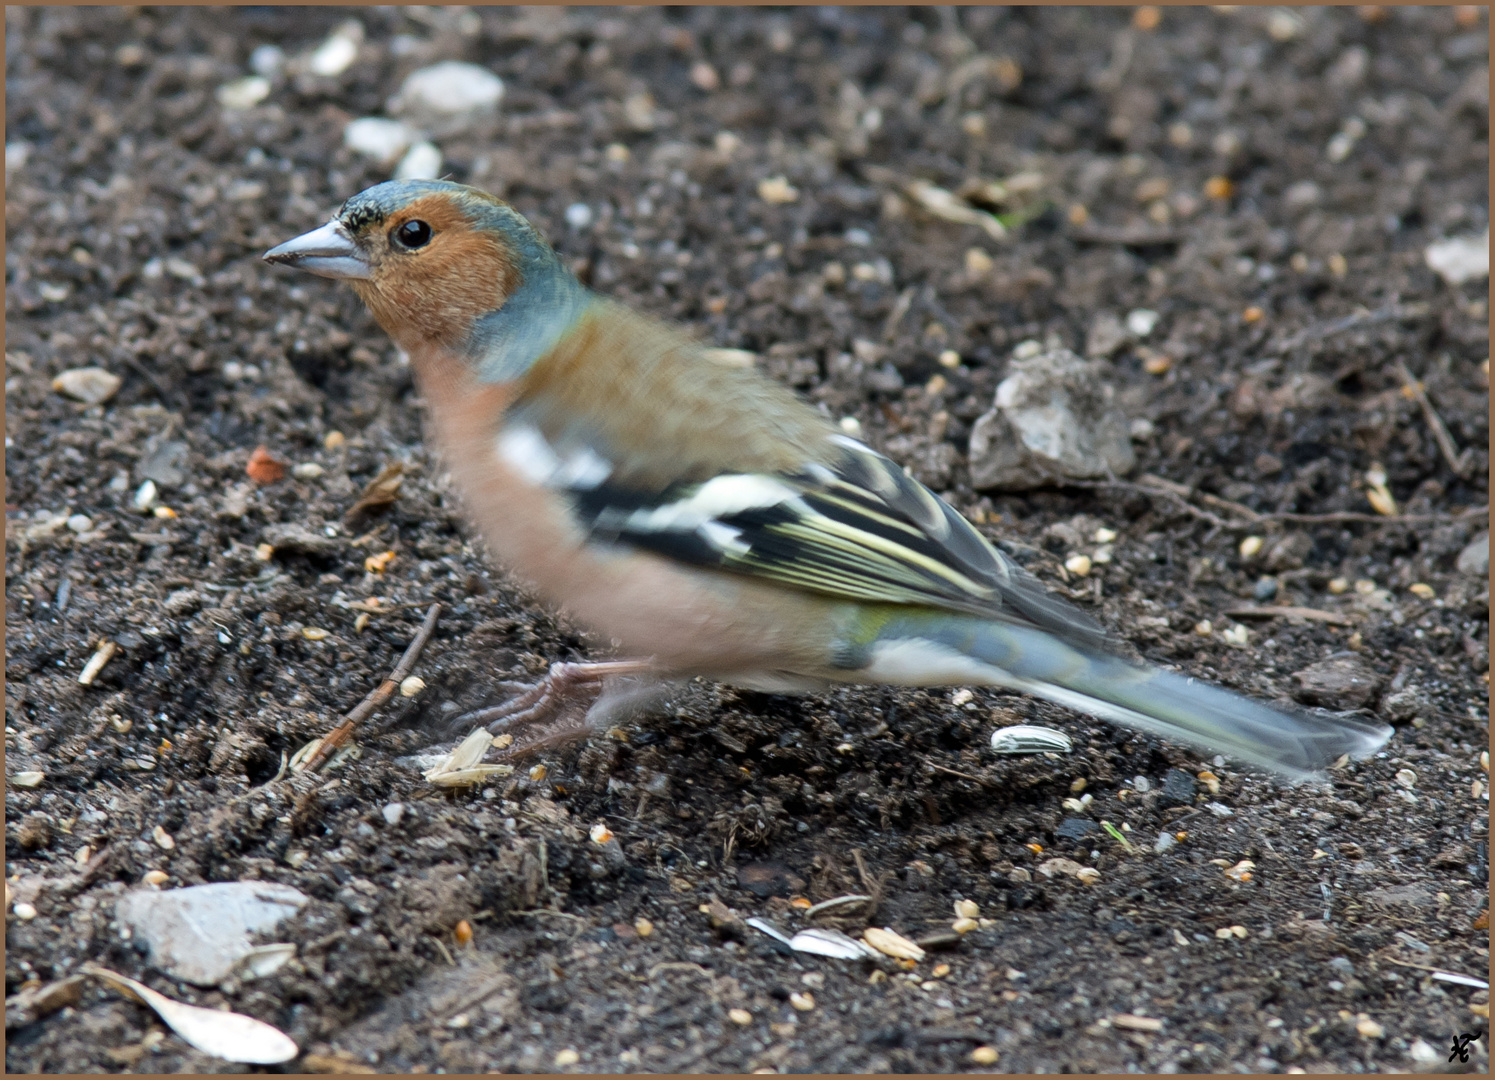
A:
[380,492]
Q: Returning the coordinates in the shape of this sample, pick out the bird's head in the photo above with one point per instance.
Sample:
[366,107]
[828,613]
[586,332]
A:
[441,264]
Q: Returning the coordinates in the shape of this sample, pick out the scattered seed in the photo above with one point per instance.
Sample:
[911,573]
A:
[964,926]
[1079,565]
[155,877]
[25,911]
[892,944]
[776,191]
[566,1058]
[740,1017]
[162,838]
[967,909]
[820,941]
[1241,871]
[1251,546]
[1406,778]
[1030,739]
[940,971]
[333,440]
[463,932]
[1210,781]
[962,697]
[377,564]
[1368,1028]
[1484,761]
[1339,585]
[96,663]
[264,552]
[802,1002]
[1147,17]
[1104,535]
[412,686]
[1381,501]
[313,633]
[1421,589]
[1236,635]
[307,470]
[985,1055]
[28,779]
[1087,875]
[643,927]
[1204,628]
[1137,1023]
[361,623]
[835,902]
[600,833]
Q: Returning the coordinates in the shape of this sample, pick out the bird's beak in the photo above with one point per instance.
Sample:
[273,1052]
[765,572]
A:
[328,251]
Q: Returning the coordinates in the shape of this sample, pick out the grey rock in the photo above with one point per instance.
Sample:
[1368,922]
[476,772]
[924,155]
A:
[1404,705]
[1105,335]
[1401,896]
[1343,681]
[201,934]
[1474,560]
[288,536]
[163,463]
[1054,419]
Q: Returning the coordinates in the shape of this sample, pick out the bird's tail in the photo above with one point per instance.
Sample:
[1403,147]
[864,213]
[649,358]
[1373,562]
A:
[957,649]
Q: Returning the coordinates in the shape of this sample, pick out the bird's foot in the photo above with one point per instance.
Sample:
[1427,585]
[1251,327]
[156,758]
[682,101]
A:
[556,710]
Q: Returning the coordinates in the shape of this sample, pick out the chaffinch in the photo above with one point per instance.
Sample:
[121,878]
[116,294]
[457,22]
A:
[706,520]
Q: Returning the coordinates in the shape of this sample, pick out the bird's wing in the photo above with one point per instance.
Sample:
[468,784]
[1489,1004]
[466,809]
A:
[855,526]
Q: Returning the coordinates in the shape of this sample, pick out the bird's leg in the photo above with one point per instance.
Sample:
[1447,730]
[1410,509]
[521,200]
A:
[564,688]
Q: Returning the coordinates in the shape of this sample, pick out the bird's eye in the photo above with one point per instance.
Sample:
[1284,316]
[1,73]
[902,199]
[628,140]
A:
[412,235]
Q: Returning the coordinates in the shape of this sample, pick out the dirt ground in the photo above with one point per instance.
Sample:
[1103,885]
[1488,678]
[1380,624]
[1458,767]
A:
[1265,180]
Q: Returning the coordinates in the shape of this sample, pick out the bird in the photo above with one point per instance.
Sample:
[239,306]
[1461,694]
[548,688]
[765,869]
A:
[707,522]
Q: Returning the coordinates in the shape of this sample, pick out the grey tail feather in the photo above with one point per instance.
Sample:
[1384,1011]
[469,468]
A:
[1289,741]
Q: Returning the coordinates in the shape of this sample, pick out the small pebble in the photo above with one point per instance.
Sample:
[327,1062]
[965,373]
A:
[566,1058]
[1251,546]
[307,470]
[28,779]
[1236,635]
[378,137]
[335,55]
[24,910]
[1087,875]
[1406,778]
[949,359]
[1141,322]
[421,162]
[1104,535]
[412,686]
[145,496]
[1078,565]
[643,927]
[1265,589]
[1339,585]
[91,385]
[985,1055]
[1204,628]
[600,833]
[393,812]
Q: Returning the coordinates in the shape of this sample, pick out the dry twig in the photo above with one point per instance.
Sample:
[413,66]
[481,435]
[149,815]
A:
[376,698]
[1456,461]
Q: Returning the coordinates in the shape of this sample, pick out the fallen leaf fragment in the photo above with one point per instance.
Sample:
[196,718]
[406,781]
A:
[264,468]
[228,1035]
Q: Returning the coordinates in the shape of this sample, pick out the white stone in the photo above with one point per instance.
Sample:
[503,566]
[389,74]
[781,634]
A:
[378,137]
[421,162]
[393,812]
[1460,259]
[336,55]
